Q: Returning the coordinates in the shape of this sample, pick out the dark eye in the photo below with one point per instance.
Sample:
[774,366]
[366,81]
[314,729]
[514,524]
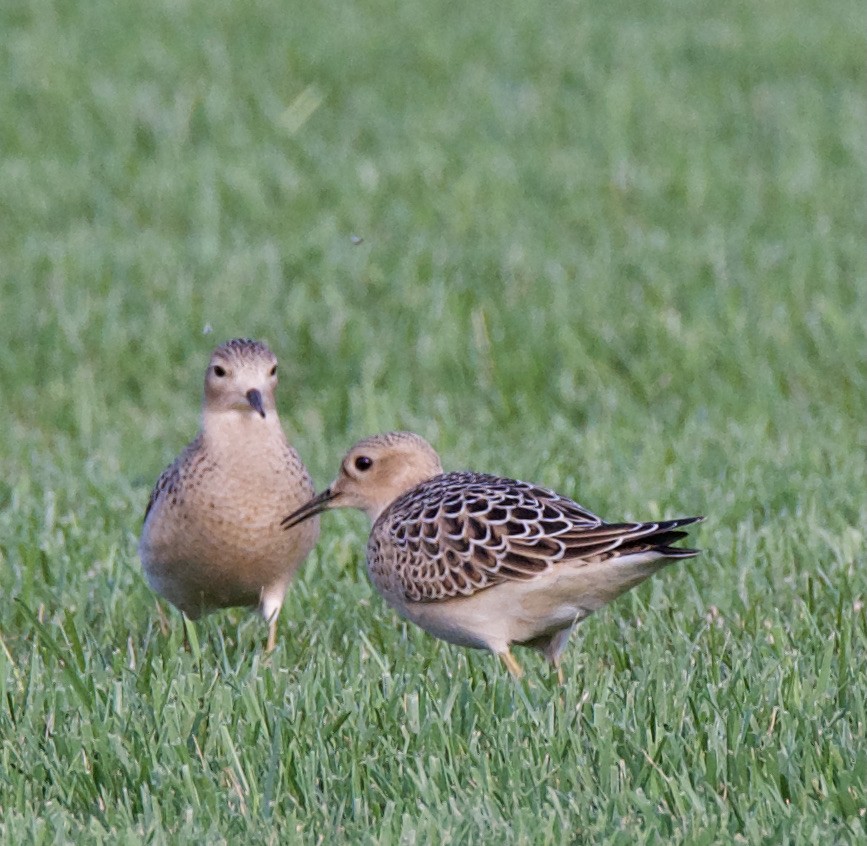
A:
[219,371]
[363,463]
[273,370]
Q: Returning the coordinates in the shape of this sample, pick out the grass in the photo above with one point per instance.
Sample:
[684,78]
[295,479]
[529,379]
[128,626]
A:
[613,248]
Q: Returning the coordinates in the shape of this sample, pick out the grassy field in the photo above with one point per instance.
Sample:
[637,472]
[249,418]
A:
[614,248]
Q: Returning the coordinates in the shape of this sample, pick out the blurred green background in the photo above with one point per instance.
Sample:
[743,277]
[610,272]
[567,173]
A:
[614,248]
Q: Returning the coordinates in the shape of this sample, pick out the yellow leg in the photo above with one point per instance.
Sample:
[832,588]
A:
[511,664]
[560,677]
[272,634]
[165,628]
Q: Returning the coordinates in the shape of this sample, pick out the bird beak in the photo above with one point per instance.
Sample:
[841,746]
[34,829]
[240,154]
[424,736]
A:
[254,397]
[310,508]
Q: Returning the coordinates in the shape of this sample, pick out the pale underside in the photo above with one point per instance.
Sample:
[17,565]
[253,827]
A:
[539,613]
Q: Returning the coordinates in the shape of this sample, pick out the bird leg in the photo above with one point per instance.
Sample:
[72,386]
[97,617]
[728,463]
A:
[165,628]
[511,664]
[269,607]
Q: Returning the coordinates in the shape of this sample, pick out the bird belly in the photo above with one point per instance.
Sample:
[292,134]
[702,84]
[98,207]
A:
[493,618]
[516,612]
[520,611]
[221,553]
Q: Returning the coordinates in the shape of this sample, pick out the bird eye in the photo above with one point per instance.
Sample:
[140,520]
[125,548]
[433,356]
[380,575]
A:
[273,371]
[363,463]
[219,371]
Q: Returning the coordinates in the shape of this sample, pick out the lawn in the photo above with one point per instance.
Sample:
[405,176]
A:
[613,248]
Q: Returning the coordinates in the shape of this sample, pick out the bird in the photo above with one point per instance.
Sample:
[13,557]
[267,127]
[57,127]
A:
[211,536]
[485,561]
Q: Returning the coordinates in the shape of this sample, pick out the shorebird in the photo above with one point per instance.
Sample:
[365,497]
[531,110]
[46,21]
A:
[483,561]
[211,537]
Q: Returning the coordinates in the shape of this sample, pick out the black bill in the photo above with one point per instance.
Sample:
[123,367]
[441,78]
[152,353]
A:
[254,397]
[310,508]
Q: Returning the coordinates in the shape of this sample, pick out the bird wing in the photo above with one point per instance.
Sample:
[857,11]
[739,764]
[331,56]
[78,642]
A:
[460,533]
[463,532]
[170,480]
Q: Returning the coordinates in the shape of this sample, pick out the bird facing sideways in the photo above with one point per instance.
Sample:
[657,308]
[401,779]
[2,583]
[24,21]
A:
[483,561]
[211,537]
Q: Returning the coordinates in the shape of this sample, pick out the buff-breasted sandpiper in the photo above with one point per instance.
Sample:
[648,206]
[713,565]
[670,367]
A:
[484,561]
[211,537]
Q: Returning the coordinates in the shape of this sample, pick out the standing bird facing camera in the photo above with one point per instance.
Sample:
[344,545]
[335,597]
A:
[485,561]
[211,537]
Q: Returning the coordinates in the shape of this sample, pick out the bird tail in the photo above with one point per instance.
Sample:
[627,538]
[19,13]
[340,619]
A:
[658,537]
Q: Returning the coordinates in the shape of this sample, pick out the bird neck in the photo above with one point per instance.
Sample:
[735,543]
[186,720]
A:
[240,431]
[374,510]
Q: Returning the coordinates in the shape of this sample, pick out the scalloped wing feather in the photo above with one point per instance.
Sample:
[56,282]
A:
[460,533]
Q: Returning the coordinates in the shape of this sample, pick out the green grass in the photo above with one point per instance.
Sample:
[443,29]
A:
[614,248]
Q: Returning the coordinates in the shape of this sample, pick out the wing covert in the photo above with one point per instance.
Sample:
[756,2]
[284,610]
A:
[463,532]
